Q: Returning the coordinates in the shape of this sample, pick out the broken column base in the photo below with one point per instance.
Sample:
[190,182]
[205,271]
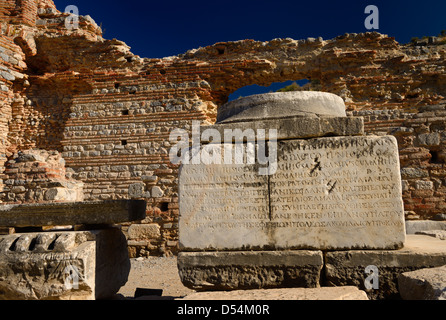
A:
[65,265]
[236,270]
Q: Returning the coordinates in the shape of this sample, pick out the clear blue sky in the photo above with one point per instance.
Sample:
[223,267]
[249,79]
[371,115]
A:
[156,29]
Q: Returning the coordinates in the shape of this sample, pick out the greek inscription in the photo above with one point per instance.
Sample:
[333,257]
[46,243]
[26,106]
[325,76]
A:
[321,188]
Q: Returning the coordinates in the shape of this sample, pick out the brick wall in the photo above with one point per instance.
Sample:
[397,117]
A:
[22,11]
[421,137]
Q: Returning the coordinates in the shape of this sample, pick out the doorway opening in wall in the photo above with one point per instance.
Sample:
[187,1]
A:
[290,85]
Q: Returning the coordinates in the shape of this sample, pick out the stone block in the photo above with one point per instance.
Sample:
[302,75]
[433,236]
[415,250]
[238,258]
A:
[136,190]
[424,185]
[7,75]
[440,234]
[157,192]
[414,226]
[72,213]
[271,105]
[429,139]
[250,269]
[346,268]
[326,194]
[423,284]
[18,189]
[323,293]
[295,127]
[144,231]
[65,265]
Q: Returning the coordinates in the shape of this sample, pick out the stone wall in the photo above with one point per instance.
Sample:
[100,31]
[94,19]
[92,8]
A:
[110,112]
[421,139]
[35,176]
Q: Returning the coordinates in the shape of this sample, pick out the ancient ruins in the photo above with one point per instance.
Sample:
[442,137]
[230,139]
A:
[332,189]
[88,262]
[84,120]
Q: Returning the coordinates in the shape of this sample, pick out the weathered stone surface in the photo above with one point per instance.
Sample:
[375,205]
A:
[60,194]
[423,284]
[250,269]
[348,267]
[440,234]
[415,226]
[296,127]
[323,293]
[157,192]
[338,193]
[327,193]
[280,104]
[68,265]
[72,213]
[222,206]
[80,112]
[35,176]
[144,231]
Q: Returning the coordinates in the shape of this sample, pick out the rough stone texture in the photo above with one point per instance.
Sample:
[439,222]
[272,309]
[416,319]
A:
[109,111]
[440,234]
[413,227]
[250,269]
[72,213]
[327,193]
[223,206]
[271,105]
[296,127]
[37,176]
[144,231]
[323,293]
[348,267]
[423,284]
[35,266]
[342,192]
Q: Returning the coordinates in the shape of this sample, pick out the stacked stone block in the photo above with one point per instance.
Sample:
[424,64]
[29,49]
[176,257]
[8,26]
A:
[36,176]
[88,262]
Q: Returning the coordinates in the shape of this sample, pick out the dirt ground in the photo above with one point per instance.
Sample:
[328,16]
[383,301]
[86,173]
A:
[154,273]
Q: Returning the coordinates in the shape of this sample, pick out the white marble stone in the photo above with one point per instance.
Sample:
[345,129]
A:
[282,104]
[327,193]
[337,193]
